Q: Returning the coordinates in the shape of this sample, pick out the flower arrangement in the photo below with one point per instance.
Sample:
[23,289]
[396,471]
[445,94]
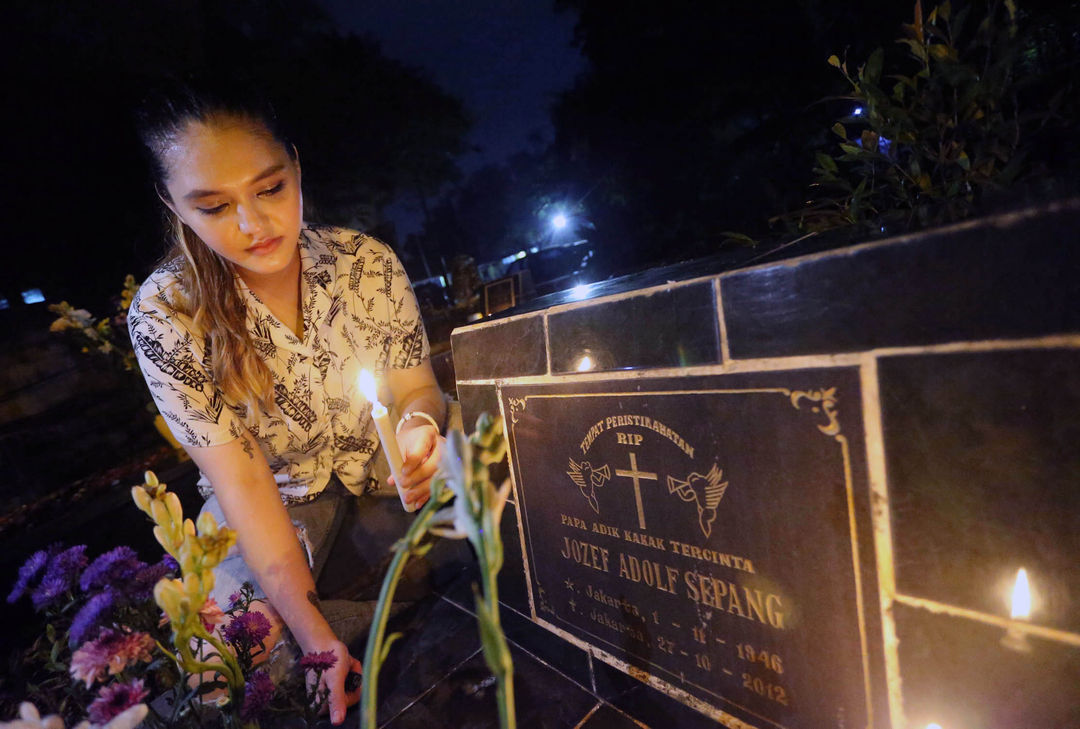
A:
[128,642]
[99,336]
[121,634]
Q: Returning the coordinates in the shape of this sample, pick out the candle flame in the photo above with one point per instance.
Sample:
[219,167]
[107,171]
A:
[585,364]
[1021,597]
[933,726]
[366,383]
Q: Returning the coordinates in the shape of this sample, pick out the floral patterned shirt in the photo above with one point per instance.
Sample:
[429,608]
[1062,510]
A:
[359,311]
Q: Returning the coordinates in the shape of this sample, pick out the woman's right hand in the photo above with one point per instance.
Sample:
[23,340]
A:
[333,680]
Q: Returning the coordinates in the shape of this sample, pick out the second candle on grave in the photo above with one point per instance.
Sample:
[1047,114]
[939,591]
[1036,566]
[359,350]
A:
[379,413]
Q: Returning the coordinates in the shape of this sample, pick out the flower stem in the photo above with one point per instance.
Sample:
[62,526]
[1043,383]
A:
[373,655]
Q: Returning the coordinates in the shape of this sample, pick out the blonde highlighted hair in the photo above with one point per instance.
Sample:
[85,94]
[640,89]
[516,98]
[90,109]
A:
[209,295]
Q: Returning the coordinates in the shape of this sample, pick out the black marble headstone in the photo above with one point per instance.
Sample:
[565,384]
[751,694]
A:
[711,535]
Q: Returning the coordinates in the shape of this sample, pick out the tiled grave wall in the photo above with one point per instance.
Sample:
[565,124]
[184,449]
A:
[967,340]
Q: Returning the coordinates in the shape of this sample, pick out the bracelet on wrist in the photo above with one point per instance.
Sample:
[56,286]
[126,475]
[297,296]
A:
[416,414]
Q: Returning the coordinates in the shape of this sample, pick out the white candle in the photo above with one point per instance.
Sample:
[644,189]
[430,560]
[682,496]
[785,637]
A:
[381,416]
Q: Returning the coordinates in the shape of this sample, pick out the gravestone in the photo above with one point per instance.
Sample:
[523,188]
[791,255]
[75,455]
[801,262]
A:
[708,534]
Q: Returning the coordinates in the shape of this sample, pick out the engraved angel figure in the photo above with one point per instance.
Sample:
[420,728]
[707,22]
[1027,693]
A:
[588,480]
[705,491]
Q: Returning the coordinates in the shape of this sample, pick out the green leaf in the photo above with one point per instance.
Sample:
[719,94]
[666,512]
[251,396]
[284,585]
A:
[943,10]
[740,238]
[964,161]
[826,162]
[389,641]
[872,70]
[834,61]
[838,130]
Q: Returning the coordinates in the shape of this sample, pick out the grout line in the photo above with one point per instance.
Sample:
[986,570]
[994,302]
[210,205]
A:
[881,520]
[589,715]
[547,344]
[725,347]
[1012,626]
[429,689]
[808,361]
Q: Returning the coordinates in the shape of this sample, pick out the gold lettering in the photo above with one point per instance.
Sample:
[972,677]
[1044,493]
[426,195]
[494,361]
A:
[772,609]
[585,554]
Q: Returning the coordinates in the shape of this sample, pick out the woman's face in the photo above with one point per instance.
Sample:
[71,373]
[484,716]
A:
[239,190]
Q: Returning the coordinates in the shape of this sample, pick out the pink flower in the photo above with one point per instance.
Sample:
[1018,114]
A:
[116,698]
[112,651]
[319,661]
[211,615]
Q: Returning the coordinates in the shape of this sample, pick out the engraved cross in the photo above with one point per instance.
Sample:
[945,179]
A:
[637,476]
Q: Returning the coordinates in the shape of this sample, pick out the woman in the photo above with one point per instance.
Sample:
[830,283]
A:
[251,335]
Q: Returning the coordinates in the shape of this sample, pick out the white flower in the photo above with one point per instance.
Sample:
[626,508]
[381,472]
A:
[30,719]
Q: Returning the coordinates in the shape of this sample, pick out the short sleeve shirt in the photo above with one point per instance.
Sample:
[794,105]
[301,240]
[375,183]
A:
[359,312]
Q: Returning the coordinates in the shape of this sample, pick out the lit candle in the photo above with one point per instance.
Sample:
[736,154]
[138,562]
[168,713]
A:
[381,416]
[1019,609]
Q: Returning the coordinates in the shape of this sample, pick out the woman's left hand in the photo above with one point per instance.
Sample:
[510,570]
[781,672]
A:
[421,450]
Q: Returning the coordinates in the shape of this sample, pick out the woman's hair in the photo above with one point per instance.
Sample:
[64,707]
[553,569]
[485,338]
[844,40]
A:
[209,294]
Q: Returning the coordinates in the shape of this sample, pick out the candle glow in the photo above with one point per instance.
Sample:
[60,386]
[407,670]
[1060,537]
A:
[366,383]
[1020,608]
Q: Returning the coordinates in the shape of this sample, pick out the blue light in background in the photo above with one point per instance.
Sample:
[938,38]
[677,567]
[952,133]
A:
[32,296]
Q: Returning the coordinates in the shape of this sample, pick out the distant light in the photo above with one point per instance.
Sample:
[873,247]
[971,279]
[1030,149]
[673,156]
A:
[442,281]
[520,255]
[507,260]
[534,249]
[933,726]
[858,112]
[32,296]
[579,292]
[4,304]
[584,364]
[559,221]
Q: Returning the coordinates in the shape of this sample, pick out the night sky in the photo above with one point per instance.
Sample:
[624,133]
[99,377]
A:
[505,60]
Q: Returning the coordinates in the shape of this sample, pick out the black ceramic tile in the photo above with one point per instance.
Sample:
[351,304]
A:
[983,467]
[606,717]
[670,328]
[504,349]
[466,699]
[957,673]
[437,637]
[460,592]
[512,589]
[476,399]
[1011,276]
[563,656]
[644,703]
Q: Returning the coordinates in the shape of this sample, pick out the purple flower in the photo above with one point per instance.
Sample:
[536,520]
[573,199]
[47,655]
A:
[68,564]
[234,600]
[170,563]
[247,630]
[258,691]
[52,587]
[319,661]
[115,568]
[27,572]
[90,616]
[114,699]
[142,587]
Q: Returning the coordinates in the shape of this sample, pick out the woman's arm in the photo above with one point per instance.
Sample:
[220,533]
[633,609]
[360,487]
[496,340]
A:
[415,389]
[251,504]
